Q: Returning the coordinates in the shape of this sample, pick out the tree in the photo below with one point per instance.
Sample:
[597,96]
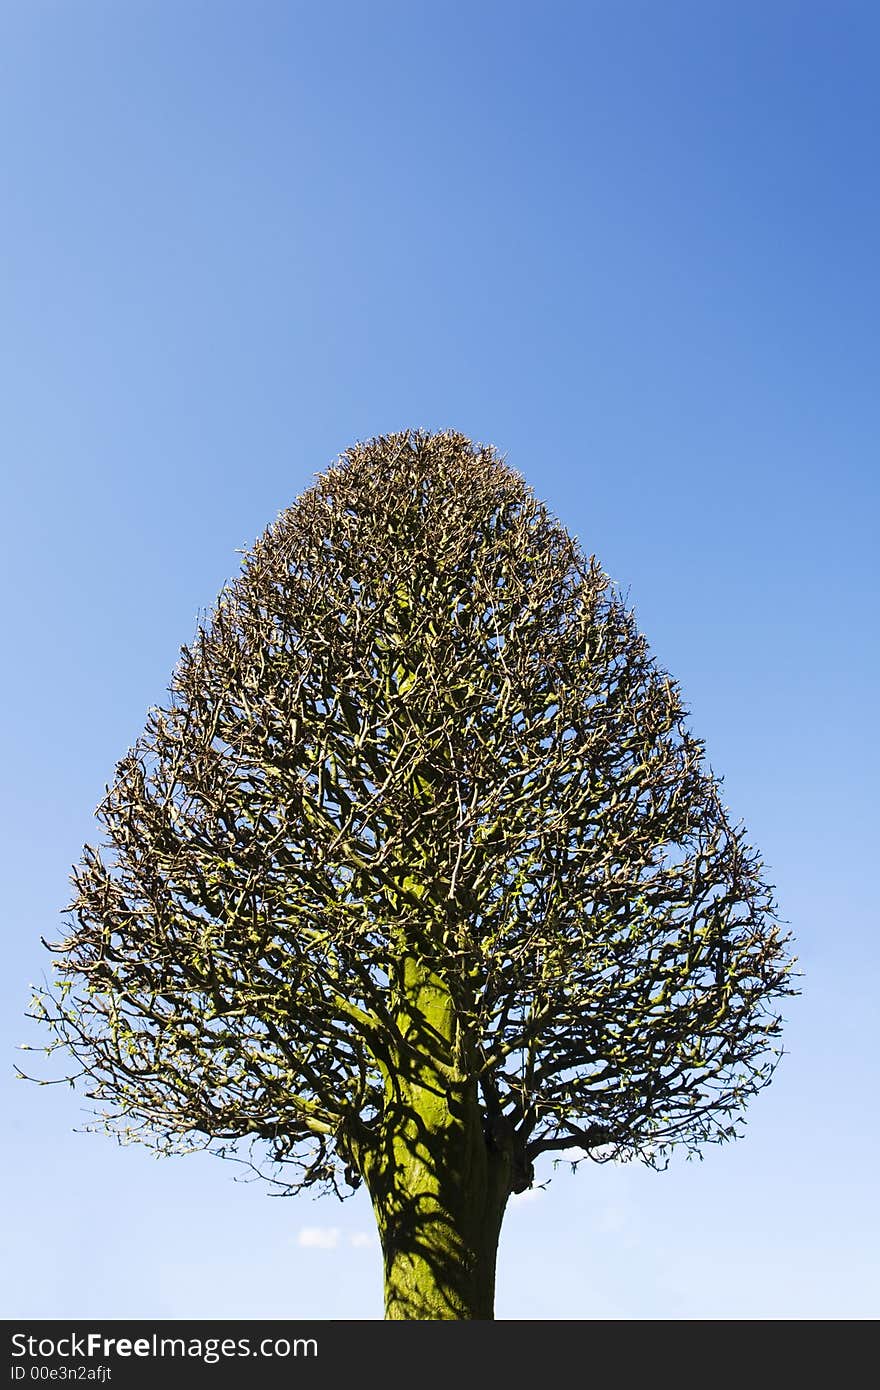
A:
[420,876]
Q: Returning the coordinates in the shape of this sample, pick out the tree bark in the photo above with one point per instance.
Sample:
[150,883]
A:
[439,1183]
[439,1192]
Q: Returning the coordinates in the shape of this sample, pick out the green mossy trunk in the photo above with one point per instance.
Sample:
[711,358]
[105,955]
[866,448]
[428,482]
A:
[439,1187]
[439,1196]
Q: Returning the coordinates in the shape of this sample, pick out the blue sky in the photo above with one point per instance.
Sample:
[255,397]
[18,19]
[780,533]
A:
[635,247]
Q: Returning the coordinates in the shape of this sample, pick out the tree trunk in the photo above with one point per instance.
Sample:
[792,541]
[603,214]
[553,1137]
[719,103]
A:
[439,1193]
[438,1182]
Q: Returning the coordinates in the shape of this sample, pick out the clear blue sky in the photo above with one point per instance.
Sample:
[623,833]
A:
[635,246]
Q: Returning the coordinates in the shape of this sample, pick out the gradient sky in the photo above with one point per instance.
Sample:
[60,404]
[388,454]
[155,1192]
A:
[635,246]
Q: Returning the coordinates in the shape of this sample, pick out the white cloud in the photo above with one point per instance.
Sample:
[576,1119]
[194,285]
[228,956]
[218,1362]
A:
[531,1194]
[319,1237]
[361,1239]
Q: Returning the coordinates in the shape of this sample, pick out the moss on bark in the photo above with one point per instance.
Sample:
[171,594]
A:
[439,1185]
